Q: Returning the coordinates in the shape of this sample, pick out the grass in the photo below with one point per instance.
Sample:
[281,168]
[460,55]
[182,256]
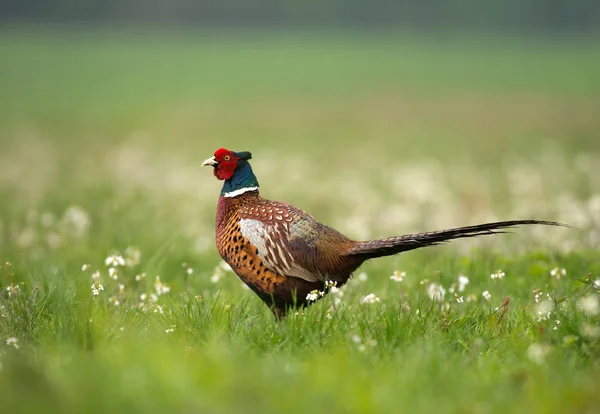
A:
[102,136]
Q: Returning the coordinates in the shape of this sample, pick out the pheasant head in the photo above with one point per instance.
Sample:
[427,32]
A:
[234,169]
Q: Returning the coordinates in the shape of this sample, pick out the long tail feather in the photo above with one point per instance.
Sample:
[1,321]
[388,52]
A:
[394,245]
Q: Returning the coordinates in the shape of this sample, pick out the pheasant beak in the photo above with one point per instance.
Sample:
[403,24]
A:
[210,162]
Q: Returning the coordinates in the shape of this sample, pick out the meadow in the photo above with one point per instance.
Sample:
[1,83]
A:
[114,299]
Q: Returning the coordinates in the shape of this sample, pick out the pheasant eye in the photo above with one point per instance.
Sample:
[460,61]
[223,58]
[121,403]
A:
[227,158]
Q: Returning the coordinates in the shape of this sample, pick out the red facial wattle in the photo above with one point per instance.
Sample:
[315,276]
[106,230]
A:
[227,162]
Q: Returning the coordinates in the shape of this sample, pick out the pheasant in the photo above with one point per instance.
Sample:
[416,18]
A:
[283,254]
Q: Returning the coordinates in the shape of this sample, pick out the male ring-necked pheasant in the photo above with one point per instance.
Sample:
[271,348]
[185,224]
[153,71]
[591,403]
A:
[282,253]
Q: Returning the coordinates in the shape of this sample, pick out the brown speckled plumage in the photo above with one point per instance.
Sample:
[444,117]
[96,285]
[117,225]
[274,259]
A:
[282,253]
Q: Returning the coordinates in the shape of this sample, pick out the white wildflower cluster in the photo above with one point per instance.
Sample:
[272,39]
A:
[558,272]
[113,273]
[498,274]
[459,299]
[148,302]
[171,329]
[398,276]
[114,260]
[314,295]
[159,287]
[537,295]
[487,295]
[331,286]
[14,342]
[436,292]
[543,310]
[96,288]
[370,298]
[13,290]
[556,325]
[463,281]
[140,277]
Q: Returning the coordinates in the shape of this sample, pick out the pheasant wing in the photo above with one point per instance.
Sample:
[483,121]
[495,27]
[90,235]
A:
[284,238]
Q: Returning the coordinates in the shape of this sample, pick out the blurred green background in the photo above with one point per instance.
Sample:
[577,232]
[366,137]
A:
[379,119]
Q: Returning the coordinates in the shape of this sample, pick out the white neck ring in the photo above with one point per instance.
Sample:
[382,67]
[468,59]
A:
[240,192]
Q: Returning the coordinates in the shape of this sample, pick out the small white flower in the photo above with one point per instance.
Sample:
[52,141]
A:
[313,295]
[487,295]
[436,292]
[171,329]
[96,288]
[544,310]
[189,270]
[398,276]
[459,299]
[537,353]
[596,283]
[121,288]
[85,267]
[96,275]
[556,323]
[589,304]
[362,276]
[115,260]
[159,309]
[115,301]
[355,338]
[143,297]
[558,272]
[14,342]
[112,273]
[537,295]
[140,277]
[153,298]
[370,298]
[498,274]
[463,281]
